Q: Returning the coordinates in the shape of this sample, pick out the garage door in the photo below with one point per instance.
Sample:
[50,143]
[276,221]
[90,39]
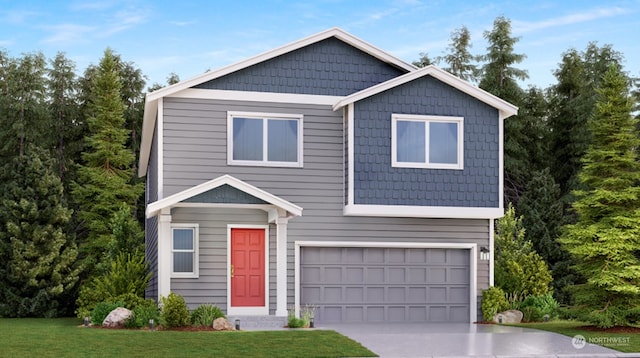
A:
[359,284]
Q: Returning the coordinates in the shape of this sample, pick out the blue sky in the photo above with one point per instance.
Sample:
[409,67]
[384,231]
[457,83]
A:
[190,37]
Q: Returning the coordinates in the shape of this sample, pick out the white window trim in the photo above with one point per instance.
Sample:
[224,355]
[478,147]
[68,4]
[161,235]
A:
[196,254]
[426,119]
[264,117]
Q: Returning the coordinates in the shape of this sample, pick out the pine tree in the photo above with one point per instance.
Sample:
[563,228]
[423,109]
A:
[541,209]
[459,58]
[67,123]
[423,61]
[104,180]
[38,259]
[605,239]
[499,78]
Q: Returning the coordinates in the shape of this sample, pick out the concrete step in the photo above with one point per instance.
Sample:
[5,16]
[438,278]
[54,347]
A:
[257,323]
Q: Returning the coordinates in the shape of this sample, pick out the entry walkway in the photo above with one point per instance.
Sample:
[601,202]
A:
[466,340]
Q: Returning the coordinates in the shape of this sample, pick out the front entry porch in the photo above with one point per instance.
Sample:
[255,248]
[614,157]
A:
[239,267]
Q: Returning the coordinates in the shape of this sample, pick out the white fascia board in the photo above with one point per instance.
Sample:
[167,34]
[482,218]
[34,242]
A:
[155,207]
[148,125]
[409,211]
[505,108]
[256,96]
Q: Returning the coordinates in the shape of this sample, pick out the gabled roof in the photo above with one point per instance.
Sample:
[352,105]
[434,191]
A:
[505,108]
[151,107]
[155,207]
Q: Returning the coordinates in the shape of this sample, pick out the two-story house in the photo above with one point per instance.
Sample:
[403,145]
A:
[324,172]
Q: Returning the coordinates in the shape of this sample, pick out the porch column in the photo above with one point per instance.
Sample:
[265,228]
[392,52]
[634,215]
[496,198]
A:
[281,266]
[164,254]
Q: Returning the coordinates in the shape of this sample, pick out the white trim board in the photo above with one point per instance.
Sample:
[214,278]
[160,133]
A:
[271,97]
[408,211]
[260,311]
[473,271]
[155,207]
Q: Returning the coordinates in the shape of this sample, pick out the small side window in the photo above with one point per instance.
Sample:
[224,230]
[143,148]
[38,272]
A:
[184,250]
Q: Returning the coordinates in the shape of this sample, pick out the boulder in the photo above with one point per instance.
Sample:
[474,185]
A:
[117,317]
[510,316]
[221,324]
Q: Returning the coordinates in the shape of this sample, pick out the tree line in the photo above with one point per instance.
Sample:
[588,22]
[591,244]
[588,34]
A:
[71,203]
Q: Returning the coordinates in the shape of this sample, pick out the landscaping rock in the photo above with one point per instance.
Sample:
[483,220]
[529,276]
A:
[221,324]
[117,317]
[510,316]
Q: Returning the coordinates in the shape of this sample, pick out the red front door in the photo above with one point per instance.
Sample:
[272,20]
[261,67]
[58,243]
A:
[247,268]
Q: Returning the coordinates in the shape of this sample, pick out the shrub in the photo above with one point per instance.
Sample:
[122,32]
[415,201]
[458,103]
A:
[518,267]
[204,315]
[532,314]
[539,306]
[174,311]
[102,310]
[142,313]
[126,279]
[493,301]
[295,322]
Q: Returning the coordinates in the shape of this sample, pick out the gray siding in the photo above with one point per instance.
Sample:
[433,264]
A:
[377,182]
[151,225]
[329,67]
[195,152]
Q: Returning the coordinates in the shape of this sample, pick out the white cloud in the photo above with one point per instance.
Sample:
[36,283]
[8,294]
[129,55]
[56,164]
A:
[6,43]
[67,33]
[593,14]
[17,17]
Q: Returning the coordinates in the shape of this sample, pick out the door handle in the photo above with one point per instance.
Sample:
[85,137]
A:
[232,271]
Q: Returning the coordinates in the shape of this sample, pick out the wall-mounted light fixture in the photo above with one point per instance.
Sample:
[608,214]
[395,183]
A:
[485,254]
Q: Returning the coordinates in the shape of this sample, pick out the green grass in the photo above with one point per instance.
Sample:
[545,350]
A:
[623,342]
[62,337]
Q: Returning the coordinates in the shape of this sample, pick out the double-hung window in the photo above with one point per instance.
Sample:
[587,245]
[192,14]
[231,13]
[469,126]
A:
[265,139]
[427,141]
[184,250]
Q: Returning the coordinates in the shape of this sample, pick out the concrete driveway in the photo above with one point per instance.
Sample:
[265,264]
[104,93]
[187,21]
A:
[466,340]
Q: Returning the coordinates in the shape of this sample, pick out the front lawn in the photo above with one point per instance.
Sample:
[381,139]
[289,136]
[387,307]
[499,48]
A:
[621,341]
[63,338]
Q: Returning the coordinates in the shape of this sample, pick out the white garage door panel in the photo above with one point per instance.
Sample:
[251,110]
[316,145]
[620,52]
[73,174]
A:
[386,284]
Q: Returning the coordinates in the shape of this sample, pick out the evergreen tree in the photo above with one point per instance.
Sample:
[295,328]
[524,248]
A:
[572,101]
[606,238]
[459,58]
[423,61]
[499,78]
[37,258]
[25,120]
[104,180]
[67,124]
[541,211]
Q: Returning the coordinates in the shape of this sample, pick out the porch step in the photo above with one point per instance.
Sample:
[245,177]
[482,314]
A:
[258,323]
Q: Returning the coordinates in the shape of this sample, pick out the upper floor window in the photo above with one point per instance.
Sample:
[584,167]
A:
[184,250]
[264,139]
[426,141]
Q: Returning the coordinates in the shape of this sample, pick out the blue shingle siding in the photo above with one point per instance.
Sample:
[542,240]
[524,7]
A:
[329,67]
[376,182]
[225,194]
